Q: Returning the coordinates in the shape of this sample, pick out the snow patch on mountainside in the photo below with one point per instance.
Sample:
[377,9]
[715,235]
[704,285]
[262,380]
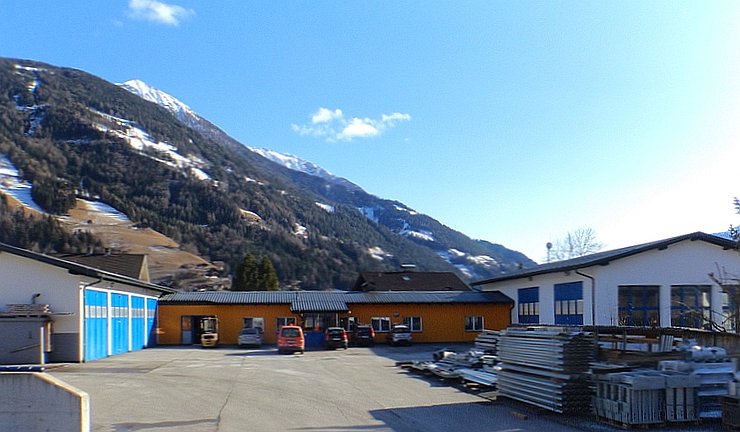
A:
[101,209]
[378,253]
[11,184]
[326,207]
[142,141]
[294,163]
[369,212]
[174,105]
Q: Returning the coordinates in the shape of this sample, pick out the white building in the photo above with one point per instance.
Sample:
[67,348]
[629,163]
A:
[664,283]
[93,313]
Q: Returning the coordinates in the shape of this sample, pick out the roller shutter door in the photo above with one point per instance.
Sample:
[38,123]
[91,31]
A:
[151,313]
[138,323]
[96,325]
[119,323]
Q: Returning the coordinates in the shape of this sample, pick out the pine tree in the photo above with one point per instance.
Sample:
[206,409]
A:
[268,277]
[247,275]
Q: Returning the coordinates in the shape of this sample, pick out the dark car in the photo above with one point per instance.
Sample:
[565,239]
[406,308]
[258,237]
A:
[335,337]
[363,335]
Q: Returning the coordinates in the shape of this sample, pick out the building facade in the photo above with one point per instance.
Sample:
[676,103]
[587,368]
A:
[449,316]
[89,313]
[671,282]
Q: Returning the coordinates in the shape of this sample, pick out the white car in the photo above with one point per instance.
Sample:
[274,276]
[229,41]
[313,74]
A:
[250,337]
[399,334]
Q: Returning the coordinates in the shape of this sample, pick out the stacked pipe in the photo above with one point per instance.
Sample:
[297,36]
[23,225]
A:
[546,367]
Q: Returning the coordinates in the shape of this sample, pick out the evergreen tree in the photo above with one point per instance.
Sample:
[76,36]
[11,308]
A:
[247,275]
[268,277]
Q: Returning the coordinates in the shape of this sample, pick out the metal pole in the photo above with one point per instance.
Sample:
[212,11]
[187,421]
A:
[42,361]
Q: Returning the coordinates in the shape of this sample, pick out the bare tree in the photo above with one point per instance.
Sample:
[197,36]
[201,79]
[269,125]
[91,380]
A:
[575,244]
[730,285]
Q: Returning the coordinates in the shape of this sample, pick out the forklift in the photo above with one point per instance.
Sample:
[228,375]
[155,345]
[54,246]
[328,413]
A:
[208,332]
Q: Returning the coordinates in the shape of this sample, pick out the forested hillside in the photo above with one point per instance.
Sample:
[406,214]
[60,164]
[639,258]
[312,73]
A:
[71,134]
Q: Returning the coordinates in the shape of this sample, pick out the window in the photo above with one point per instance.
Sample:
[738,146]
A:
[639,306]
[529,305]
[474,323]
[690,306]
[381,324]
[254,322]
[414,323]
[730,309]
[283,321]
[569,303]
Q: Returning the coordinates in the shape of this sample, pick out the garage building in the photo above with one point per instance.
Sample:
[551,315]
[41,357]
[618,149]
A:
[86,313]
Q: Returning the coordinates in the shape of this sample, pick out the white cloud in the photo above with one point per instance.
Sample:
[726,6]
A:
[156,11]
[358,128]
[333,126]
[325,115]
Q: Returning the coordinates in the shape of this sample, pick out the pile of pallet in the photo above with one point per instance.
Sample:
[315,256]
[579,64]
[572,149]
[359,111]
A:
[546,367]
[28,309]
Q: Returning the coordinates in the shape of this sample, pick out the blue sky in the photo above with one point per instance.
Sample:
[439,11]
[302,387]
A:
[514,122]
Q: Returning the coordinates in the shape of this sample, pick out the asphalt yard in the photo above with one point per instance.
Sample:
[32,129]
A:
[230,389]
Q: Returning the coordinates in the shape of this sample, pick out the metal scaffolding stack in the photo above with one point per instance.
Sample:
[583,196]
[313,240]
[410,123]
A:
[546,367]
[645,397]
[714,377]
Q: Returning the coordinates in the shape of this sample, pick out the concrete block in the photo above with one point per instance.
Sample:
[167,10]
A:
[40,402]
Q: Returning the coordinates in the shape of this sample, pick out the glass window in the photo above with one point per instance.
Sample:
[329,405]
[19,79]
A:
[381,324]
[474,323]
[413,323]
[690,306]
[639,305]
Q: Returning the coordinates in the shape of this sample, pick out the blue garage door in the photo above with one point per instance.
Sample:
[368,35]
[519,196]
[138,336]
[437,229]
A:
[119,323]
[96,325]
[569,303]
[138,323]
[151,313]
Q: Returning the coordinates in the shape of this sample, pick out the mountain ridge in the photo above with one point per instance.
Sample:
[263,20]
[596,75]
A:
[188,179]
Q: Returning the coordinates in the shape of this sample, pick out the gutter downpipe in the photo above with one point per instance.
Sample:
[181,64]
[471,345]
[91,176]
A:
[593,295]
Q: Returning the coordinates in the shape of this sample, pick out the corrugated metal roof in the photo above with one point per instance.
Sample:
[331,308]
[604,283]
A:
[307,301]
[604,258]
[324,301]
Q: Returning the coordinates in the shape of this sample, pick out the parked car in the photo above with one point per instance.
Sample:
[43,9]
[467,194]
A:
[335,337]
[250,337]
[399,334]
[363,335]
[290,339]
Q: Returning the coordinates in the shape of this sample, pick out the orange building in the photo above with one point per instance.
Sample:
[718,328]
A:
[433,316]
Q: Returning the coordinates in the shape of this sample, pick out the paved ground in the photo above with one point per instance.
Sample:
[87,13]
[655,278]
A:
[229,389]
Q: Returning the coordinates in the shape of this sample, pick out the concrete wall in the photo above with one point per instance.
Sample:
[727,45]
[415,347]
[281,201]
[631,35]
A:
[40,402]
[20,341]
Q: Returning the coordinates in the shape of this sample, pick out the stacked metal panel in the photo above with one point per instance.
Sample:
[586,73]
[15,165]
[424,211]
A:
[486,341]
[645,397]
[714,377]
[546,367]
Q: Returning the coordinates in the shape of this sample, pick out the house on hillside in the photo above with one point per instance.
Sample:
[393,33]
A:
[409,280]
[74,312]
[671,282]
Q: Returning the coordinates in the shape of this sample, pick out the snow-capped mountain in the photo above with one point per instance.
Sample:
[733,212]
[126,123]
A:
[472,258]
[183,112]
